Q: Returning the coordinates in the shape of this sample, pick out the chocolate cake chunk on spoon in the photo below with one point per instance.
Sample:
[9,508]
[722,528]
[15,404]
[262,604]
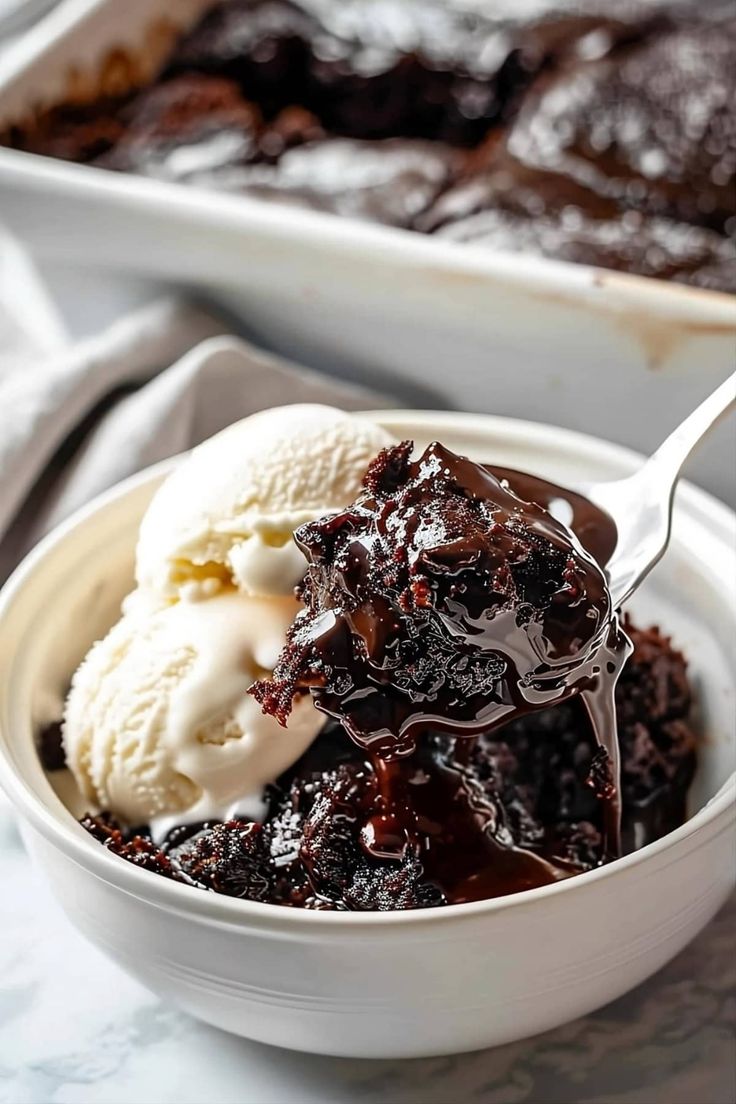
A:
[440,600]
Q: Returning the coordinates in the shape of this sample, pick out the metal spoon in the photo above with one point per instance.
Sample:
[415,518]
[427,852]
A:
[641,504]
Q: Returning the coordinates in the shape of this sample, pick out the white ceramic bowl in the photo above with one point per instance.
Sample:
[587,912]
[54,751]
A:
[383,984]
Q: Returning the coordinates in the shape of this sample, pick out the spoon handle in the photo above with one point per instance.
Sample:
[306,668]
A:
[675,449]
[641,505]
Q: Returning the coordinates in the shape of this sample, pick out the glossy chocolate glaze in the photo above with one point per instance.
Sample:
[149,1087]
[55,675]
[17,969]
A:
[490,815]
[515,209]
[440,600]
[433,804]
[623,157]
[391,182]
[649,126]
[594,528]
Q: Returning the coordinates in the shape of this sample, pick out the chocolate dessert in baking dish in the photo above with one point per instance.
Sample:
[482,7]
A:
[601,133]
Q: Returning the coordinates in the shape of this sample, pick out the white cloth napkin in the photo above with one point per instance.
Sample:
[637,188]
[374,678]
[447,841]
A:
[77,417]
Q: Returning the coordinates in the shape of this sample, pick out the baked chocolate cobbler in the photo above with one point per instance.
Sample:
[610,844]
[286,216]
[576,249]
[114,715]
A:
[493,726]
[602,133]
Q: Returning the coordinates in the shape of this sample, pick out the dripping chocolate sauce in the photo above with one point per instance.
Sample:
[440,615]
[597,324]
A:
[558,639]
[439,803]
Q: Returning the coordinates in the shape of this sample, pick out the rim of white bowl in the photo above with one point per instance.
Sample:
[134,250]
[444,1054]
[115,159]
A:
[221,910]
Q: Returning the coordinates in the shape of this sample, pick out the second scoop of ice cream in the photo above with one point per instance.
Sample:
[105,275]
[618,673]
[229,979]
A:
[159,722]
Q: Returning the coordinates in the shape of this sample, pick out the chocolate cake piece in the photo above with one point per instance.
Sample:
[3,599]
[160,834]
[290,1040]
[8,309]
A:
[186,129]
[230,858]
[440,598]
[455,842]
[71,132]
[135,847]
[650,125]
[545,759]
[390,182]
[518,210]
[50,746]
[262,45]
[658,741]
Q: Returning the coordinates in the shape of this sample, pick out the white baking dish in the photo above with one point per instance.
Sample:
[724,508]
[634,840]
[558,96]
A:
[449,324]
[383,984]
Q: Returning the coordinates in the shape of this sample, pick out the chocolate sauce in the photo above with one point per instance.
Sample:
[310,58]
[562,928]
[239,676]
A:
[432,801]
[490,815]
[441,600]
[600,167]
[51,747]
[594,528]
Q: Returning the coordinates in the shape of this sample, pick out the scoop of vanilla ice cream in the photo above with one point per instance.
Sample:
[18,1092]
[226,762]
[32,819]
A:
[158,721]
[228,512]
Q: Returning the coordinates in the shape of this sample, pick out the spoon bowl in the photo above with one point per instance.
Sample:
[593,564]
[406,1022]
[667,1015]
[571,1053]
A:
[641,504]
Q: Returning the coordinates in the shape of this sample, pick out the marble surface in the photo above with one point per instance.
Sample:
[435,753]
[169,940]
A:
[75,1030]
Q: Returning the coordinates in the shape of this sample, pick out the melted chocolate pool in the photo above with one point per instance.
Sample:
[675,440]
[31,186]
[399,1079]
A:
[524,788]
